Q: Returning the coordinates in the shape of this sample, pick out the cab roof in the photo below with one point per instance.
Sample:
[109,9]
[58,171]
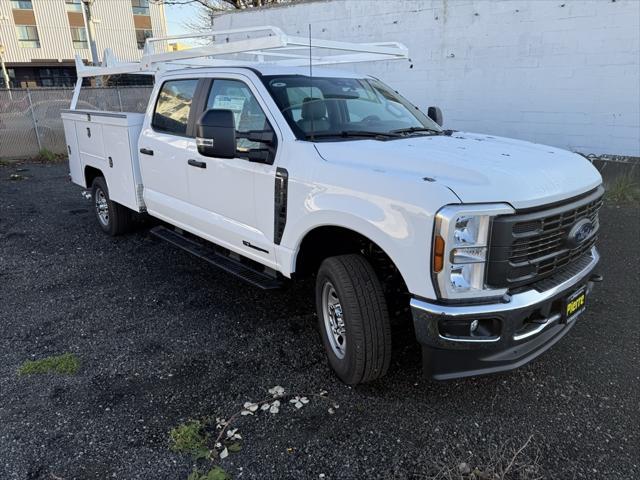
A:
[276,70]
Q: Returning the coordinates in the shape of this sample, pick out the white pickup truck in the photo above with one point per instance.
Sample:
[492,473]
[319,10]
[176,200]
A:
[277,170]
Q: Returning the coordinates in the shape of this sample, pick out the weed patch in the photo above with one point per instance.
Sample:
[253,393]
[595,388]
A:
[47,156]
[66,364]
[190,438]
[623,189]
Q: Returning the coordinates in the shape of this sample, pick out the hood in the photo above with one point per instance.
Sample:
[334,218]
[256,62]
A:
[478,168]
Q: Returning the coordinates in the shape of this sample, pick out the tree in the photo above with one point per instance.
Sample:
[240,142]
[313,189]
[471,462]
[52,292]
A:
[223,5]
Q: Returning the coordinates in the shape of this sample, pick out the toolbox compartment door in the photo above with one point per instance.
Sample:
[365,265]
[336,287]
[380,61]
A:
[107,141]
[75,166]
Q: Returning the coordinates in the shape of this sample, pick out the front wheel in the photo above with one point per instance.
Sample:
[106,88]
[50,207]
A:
[113,218]
[353,319]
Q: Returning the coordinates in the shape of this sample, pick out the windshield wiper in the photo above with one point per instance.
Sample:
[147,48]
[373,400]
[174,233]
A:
[416,129]
[353,133]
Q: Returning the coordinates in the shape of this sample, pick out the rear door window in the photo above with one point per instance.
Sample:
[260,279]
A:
[173,106]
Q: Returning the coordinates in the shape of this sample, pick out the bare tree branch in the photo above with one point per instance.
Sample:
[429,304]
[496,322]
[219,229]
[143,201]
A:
[506,470]
[222,5]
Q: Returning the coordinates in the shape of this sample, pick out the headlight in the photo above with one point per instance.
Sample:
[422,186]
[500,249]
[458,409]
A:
[460,249]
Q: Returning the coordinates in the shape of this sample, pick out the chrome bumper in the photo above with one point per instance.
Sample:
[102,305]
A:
[516,342]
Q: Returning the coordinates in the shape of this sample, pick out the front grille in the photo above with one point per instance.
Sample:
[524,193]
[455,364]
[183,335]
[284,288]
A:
[528,247]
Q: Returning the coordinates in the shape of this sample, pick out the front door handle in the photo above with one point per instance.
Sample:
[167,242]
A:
[146,151]
[196,163]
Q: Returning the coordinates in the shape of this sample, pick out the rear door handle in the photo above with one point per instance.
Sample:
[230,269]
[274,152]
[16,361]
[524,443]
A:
[196,163]
[146,151]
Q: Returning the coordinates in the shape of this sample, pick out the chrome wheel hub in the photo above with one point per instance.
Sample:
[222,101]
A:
[102,207]
[334,320]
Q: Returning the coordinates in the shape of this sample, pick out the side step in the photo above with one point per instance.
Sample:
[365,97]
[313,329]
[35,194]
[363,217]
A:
[209,254]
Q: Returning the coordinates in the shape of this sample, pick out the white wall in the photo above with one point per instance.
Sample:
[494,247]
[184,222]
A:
[560,72]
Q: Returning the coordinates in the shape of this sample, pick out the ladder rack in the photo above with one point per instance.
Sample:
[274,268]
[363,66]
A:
[265,45]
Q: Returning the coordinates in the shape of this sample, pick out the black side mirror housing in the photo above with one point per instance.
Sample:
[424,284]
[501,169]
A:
[260,156]
[216,134]
[261,136]
[435,114]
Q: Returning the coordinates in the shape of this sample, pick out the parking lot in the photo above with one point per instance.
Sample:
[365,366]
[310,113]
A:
[163,338]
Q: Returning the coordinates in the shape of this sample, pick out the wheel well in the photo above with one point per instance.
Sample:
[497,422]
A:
[329,241]
[90,174]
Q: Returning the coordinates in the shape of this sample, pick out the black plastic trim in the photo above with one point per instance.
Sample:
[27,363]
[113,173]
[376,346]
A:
[250,245]
[503,271]
[207,251]
[565,202]
[280,204]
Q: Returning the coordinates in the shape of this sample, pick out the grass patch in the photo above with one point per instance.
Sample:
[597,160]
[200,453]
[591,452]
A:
[190,438]
[623,189]
[66,364]
[47,156]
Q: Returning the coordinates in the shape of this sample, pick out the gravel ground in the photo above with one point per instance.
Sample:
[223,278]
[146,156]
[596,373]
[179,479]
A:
[163,337]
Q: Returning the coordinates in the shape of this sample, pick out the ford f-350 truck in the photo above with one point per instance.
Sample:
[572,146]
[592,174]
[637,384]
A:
[277,169]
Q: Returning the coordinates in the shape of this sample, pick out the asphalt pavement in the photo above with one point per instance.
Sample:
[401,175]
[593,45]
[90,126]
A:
[163,338]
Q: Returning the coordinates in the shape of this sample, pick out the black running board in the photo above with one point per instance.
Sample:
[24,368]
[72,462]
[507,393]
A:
[209,254]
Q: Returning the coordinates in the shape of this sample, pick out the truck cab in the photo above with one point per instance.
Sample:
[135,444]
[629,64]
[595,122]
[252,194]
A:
[275,172]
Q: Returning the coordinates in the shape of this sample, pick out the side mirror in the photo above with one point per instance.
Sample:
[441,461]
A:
[261,136]
[216,134]
[435,114]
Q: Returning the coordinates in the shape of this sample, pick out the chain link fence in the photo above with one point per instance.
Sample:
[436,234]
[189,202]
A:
[30,118]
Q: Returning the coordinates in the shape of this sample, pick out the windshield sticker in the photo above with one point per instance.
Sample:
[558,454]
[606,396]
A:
[225,102]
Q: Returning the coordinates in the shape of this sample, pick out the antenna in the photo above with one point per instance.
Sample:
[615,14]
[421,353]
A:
[311,82]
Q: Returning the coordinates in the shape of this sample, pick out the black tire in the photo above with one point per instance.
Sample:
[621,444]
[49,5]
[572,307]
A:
[118,218]
[367,337]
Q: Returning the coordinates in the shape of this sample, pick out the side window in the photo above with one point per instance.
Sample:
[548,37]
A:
[236,96]
[173,106]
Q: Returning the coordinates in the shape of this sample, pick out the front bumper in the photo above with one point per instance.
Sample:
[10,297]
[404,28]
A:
[524,326]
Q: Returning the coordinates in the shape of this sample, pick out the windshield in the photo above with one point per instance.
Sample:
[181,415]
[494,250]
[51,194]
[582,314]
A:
[346,108]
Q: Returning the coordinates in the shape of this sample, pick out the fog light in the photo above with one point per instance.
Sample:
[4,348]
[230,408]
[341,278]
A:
[474,326]
[482,328]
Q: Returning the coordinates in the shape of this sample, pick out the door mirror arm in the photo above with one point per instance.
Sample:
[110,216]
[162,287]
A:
[216,134]
[260,155]
[260,136]
[264,154]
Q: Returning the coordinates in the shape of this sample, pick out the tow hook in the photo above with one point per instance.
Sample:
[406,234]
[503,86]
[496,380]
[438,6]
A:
[86,194]
[596,278]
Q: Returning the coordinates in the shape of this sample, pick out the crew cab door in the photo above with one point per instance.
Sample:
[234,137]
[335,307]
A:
[235,196]
[166,142]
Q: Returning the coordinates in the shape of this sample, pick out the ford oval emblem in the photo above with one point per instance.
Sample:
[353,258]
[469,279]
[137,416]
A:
[580,232]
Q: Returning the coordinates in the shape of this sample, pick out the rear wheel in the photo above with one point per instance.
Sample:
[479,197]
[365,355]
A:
[113,218]
[353,319]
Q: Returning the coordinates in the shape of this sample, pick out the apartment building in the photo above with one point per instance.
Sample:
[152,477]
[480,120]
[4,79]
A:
[42,37]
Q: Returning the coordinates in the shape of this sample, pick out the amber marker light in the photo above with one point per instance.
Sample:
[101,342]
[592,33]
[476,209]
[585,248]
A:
[438,254]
